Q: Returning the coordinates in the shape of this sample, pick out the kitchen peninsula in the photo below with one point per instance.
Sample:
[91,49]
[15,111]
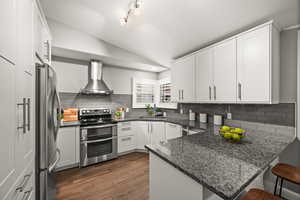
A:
[206,161]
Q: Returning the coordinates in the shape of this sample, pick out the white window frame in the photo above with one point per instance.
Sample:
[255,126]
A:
[156,85]
[161,104]
[136,81]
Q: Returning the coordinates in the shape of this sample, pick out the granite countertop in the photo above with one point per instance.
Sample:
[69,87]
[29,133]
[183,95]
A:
[182,122]
[224,168]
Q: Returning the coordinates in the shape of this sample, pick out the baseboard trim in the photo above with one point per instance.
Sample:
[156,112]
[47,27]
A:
[286,193]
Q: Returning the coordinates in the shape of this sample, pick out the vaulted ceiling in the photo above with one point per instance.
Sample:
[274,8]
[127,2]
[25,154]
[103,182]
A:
[167,29]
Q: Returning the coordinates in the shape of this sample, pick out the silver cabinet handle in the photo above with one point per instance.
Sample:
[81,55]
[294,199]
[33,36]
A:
[240,91]
[215,92]
[179,96]
[24,115]
[126,139]
[182,94]
[101,140]
[209,91]
[126,129]
[24,183]
[27,194]
[28,113]
[51,167]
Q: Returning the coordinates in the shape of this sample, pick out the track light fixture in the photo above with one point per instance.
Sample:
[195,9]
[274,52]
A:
[134,8]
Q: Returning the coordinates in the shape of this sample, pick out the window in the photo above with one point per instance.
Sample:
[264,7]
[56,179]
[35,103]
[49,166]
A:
[146,91]
[143,92]
[165,88]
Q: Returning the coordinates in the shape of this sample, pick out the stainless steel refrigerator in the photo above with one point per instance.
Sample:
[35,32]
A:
[47,125]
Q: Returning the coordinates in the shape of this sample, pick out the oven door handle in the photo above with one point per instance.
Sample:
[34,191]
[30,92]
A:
[102,126]
[101,140]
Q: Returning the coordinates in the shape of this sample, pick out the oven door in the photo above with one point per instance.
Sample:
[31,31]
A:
[98,143]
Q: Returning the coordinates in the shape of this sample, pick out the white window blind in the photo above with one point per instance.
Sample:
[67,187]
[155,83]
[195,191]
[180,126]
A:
[144,91]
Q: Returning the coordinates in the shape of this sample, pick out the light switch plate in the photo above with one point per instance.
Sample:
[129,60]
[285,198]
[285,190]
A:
[229,116]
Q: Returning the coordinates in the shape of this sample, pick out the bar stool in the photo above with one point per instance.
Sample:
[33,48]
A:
[285,172]
[257,194]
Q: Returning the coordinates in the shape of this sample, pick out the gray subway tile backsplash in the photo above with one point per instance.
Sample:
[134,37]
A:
[279,114]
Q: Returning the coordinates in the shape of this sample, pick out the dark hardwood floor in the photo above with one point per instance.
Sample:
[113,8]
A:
[125,178]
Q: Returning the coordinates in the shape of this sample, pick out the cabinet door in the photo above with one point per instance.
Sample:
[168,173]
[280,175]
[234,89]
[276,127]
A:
[25,36]
[253,56]
[7,124]
[204,75]
[8,30]
[66,142]
[142,134]
[38,27]
[173,131]
[224,59]
[157,132]
[24,85]
[183,79]
[25,120]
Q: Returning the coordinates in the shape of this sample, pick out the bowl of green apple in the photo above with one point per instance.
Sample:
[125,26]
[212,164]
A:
[232,134]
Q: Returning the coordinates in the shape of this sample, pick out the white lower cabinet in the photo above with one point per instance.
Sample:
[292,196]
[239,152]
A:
[68,142]
[173,131]
[142,133]
[126,137]
[24,187]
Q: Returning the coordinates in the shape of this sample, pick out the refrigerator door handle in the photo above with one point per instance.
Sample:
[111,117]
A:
[51,167]
[59,114]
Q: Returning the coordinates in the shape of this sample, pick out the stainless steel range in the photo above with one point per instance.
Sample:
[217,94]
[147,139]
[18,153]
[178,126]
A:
[98,136]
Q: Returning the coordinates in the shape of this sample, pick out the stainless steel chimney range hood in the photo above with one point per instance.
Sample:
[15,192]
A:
[96,85]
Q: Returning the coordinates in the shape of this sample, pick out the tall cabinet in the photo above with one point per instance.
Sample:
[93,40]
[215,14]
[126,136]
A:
[17,75]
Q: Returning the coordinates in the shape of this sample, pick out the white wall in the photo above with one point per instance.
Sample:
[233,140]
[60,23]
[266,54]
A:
[73,76]
[164,74]
[69,42]
[119,79]
[288,66]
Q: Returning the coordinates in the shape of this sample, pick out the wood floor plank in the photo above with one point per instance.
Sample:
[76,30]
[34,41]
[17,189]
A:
[125,178]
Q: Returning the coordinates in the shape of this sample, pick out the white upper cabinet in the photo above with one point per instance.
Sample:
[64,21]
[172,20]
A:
[42,35]
[258,66]
[242,69]
[183,79]
[204,75]
[8,30]
[224,62]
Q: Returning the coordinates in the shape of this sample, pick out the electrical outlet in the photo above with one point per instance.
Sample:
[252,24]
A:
[229,116]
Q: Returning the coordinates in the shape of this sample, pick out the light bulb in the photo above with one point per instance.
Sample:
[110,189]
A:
[123,21]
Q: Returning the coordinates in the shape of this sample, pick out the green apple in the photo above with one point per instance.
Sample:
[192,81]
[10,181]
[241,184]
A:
[225,128]
[239,130]
[227,135]
[236,137]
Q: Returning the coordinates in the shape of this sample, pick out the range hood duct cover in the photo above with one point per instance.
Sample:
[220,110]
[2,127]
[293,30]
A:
[96,85]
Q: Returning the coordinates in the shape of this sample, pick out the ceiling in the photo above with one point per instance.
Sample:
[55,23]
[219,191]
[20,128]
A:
[167,29]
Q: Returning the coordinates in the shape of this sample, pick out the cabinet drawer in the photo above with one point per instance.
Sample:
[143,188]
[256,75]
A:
[126,143]
[125,129]
[23,188]
[173,131]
